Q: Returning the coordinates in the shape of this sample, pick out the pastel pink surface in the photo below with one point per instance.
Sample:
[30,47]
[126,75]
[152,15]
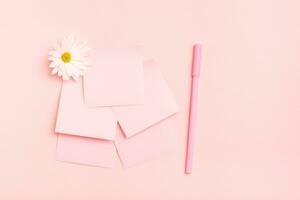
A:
[159,103]
[247,144]
[86,151]
[75,118]
[114,78]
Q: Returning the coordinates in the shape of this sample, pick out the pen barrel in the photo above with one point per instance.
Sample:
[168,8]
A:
[192,124]
[196,60]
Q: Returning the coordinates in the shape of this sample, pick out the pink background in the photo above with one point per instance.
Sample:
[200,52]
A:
[248,127]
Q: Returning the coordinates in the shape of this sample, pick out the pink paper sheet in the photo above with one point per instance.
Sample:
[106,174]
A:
[75,118]
[149,144]
[86,151]
[114,78]
[159,103]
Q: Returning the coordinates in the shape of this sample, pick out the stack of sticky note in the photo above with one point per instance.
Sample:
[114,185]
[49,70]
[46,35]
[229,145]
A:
[114,112]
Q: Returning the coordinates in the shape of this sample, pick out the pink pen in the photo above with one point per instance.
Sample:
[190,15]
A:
[193,107]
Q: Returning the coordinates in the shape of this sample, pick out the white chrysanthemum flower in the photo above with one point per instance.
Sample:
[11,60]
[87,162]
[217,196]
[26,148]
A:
[69,59]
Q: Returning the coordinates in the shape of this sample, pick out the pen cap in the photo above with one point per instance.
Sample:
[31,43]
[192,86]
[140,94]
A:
[196,60]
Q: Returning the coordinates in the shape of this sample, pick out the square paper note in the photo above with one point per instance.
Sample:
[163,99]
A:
[147,145]
[159,104]
[114,78]
[86,151]
[75,118]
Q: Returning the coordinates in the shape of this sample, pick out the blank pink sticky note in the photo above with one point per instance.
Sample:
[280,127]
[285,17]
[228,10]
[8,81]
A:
[149,144]
[86,151]
[114,78]
[75,118]
[159,103]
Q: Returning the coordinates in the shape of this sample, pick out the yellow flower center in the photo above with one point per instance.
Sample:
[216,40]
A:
[66,57]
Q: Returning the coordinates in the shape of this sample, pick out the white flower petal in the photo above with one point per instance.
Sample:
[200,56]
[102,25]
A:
[54,71]
[54,54]
[75,78]
[69,69]
[52,58]
[53,64]
[64,70]
[65,77]
[79,65]
[75,70]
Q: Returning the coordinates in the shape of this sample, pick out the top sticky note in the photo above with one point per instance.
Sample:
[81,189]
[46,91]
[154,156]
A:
[115,78]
